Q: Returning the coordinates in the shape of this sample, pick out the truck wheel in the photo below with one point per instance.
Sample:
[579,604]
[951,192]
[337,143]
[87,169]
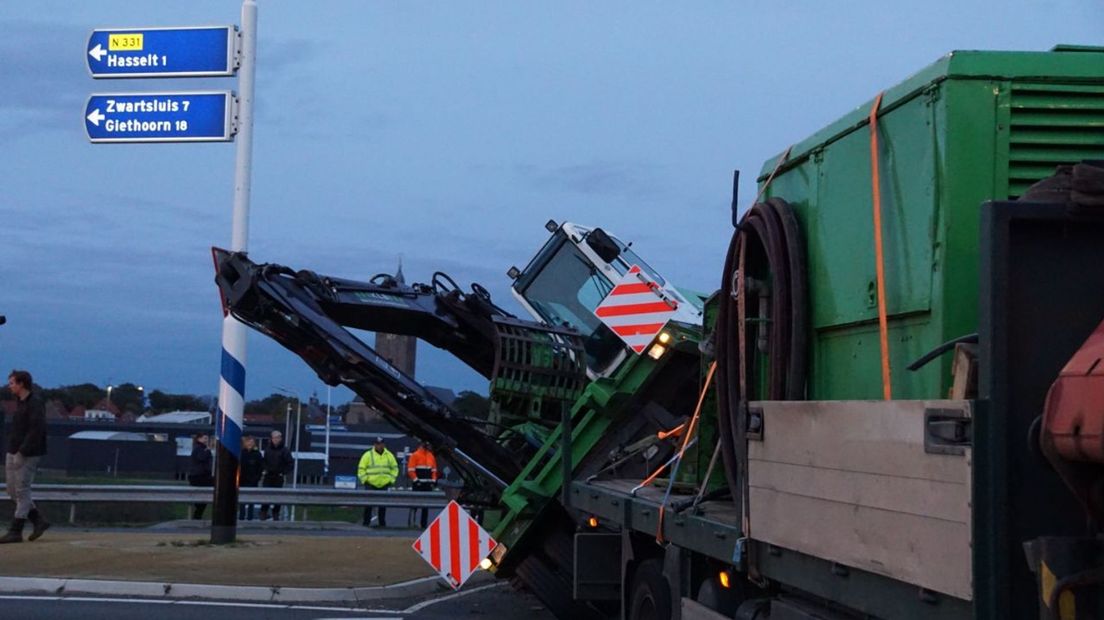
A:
[650,597]
[721,600]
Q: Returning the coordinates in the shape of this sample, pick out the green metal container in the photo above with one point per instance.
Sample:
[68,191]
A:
[974,126]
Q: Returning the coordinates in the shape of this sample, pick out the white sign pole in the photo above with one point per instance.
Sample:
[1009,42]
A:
[243,170]
[232,380]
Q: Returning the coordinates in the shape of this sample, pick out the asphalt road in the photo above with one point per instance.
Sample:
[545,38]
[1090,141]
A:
[496,601]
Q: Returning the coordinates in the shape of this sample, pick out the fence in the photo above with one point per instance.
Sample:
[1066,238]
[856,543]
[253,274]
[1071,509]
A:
[172,494]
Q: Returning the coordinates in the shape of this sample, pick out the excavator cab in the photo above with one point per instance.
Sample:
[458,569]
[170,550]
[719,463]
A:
[570,276]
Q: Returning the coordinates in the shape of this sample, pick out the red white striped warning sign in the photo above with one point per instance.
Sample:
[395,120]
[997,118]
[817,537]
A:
[454,545]
[636,309]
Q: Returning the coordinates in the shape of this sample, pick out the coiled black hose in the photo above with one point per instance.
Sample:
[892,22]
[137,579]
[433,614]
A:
[774,259]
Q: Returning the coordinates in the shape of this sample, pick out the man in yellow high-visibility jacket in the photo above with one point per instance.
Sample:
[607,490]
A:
[378,470]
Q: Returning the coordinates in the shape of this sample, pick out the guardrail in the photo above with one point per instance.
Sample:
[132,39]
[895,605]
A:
[171,494]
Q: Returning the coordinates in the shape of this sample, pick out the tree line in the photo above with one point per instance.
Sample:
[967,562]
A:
[128,398]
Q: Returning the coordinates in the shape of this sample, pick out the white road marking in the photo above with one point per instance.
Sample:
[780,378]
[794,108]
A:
[348,609]
[409,610]
[434,601]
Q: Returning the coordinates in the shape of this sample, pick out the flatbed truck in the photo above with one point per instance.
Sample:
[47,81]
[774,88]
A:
[890,408]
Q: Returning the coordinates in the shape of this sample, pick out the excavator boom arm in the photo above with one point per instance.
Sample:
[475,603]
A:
[308,314]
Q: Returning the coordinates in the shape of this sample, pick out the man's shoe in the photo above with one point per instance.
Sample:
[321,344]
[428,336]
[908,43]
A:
[40,524]
[15,532]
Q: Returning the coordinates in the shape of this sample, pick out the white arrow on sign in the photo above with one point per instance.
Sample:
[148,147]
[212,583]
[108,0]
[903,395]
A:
[96,116]
[97,52]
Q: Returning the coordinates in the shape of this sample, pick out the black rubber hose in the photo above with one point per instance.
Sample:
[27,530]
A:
[765,222]
[775,254]
[727,381]
[941,349]
[797,369]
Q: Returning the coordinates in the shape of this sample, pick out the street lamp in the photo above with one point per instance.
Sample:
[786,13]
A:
[295,450]
[109,387]
[141,400]
[298,417]
[326,469]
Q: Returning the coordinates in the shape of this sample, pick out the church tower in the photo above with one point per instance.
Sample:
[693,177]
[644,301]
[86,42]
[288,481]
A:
[400,351]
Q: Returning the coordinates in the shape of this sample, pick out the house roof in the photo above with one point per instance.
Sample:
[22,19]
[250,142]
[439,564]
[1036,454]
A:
[178,417]
[109,436]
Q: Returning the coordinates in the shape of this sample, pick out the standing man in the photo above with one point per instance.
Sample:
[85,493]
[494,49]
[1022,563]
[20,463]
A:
[278,463]
[199,470]
[421,468]
[26,446]
[378,470]
[252,468]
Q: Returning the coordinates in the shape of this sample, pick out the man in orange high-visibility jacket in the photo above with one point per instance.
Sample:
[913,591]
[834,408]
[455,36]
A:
[422,470]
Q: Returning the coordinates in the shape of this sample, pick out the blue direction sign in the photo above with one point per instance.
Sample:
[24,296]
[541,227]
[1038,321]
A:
[159,117]
[162,52]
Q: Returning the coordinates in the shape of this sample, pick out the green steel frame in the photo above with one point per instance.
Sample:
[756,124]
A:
[601,403]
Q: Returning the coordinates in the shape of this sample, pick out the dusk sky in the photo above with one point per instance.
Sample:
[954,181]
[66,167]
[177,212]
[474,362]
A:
[444,132]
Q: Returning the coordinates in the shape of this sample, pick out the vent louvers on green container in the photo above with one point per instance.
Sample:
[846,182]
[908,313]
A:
[1051,125]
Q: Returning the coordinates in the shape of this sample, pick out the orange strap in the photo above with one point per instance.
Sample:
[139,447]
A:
[781,160]
[741,333]
[685,441]
[879,254]
[655,474]
[674,432]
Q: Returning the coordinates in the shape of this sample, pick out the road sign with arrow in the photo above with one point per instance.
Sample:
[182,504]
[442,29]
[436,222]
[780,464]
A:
[160,117]
[162,52]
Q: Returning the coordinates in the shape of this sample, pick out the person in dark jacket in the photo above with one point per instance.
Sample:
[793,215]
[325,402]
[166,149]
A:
[252,466]
[26,447]
[199,469]
[278,463]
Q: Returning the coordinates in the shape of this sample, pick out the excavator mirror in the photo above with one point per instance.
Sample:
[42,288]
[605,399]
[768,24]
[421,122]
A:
[603,245]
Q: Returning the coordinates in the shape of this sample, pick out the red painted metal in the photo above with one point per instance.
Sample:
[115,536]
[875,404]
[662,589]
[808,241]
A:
[1072,433]
[1074,418]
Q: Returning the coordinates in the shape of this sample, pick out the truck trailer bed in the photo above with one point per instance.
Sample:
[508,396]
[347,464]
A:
[711,528]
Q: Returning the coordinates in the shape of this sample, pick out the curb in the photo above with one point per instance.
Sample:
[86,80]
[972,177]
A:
[56,586]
